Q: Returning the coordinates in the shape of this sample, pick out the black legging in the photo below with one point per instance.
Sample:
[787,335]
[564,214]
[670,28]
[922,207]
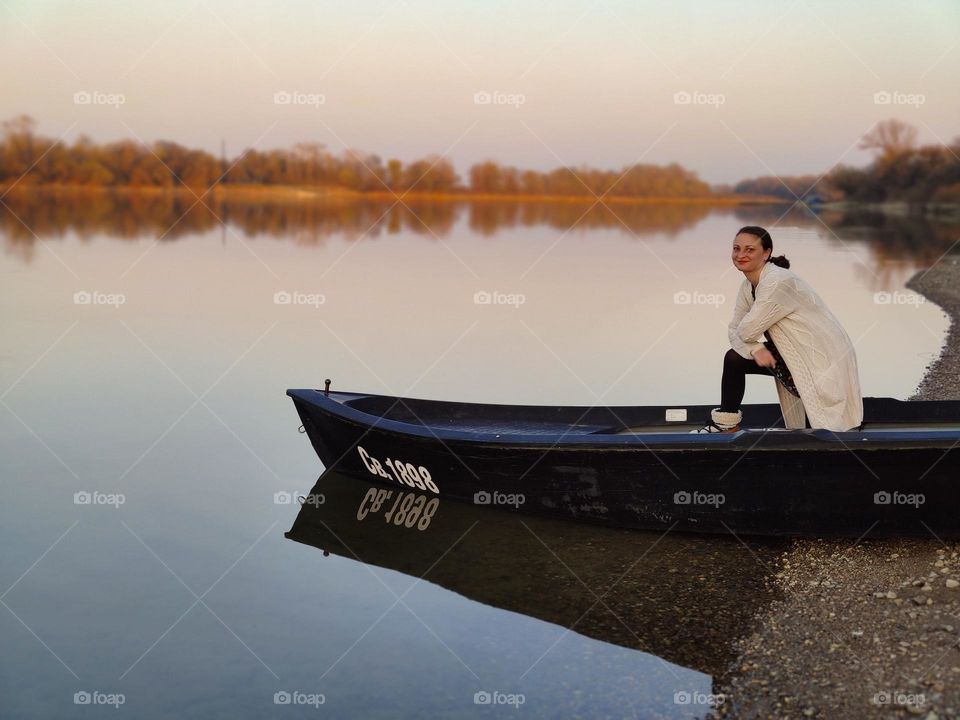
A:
[734,382]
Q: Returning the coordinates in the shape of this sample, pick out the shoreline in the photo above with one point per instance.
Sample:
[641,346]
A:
[307,193]
[868,629]
[941,286]
[301,193]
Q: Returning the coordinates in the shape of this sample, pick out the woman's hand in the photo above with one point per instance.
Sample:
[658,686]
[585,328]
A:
[765,358]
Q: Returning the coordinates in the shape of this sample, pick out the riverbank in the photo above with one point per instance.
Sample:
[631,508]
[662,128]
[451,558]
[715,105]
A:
[296,193]
[868,629]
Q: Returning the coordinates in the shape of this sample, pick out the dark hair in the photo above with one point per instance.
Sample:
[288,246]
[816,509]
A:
[766,242]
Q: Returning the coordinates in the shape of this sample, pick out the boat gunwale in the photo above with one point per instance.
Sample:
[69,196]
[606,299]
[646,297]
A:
[680,441]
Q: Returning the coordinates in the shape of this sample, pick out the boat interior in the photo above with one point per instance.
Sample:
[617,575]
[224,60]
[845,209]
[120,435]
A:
[887,414]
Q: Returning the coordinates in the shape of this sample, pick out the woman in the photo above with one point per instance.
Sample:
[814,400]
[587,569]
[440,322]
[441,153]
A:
[807,350]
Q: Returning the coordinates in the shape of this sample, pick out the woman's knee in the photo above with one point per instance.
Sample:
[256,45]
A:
[732,359]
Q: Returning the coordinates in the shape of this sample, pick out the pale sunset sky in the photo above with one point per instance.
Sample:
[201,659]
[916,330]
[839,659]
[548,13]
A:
[784,87]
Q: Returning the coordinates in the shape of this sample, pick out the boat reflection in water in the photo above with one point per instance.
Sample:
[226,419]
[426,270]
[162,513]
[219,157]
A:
[686,599]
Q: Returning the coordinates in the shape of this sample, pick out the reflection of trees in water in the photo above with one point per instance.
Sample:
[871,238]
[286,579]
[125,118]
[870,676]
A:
[489,218]
[883,242]
[131,215]
[893,237]
[891,241]
[26,215]
[170,216]
[312,222]
[890,238]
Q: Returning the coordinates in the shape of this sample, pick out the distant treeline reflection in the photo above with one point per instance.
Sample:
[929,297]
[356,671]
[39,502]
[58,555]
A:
[168,216]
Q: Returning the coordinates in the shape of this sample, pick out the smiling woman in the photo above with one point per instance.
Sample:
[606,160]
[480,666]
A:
[807,350]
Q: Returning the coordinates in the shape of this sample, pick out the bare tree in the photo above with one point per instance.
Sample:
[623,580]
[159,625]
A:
[891,139]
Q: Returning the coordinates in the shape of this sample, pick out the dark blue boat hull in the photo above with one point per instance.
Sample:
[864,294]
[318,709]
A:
[811,482]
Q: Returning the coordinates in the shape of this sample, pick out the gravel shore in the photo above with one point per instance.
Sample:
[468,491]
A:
[868,629]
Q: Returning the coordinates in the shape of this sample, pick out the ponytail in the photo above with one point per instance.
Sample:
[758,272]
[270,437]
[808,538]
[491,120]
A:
[780,260]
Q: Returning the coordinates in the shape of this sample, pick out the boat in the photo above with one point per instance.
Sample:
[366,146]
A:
[667,594]
[640,466]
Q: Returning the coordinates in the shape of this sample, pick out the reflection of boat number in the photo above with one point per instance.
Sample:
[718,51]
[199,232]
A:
[403,472]
[408,509]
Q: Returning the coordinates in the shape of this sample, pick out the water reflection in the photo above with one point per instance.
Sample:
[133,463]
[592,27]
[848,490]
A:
[686,600]
[885,237]
[489,218]
[174,215]
[28,215]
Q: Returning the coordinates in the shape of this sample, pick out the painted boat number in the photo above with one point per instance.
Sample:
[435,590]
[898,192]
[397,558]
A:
[408,508]
[403,472]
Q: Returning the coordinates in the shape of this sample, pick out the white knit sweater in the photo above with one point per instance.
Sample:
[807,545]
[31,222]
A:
[814,346]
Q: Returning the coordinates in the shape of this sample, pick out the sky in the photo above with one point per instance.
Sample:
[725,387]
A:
[727,89]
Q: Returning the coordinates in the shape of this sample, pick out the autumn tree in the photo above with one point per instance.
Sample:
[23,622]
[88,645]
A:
[890,139]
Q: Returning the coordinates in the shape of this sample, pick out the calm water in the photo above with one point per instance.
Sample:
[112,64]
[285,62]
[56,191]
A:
[145,354]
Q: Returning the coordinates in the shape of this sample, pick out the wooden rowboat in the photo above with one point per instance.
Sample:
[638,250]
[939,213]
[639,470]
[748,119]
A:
[639,467]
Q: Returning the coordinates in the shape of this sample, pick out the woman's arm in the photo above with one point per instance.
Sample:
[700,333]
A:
[744,349]
[774,302]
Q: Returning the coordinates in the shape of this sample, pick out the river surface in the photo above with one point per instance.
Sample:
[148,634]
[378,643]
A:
[156,559]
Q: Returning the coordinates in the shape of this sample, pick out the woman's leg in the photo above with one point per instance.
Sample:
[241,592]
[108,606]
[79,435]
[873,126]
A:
[734,381]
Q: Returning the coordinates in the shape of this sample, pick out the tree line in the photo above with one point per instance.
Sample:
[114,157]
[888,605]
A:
[29,159]
[900,171]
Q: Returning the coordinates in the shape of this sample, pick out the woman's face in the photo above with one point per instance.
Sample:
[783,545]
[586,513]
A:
[748,253]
